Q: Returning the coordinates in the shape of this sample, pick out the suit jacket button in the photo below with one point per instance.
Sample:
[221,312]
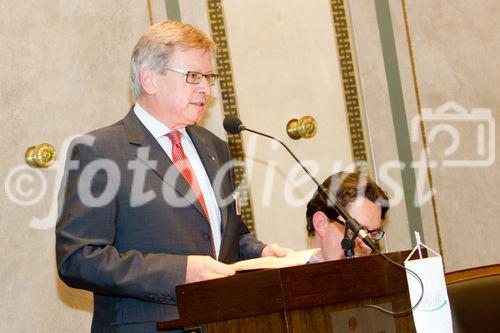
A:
[206,237]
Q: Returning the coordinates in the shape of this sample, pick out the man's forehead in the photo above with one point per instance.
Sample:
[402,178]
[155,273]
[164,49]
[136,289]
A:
[201,58]
[182,52]
[366,212]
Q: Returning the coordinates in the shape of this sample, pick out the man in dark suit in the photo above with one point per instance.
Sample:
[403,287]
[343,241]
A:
[145,200]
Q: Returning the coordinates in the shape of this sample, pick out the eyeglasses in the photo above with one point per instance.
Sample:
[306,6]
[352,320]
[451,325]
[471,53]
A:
[374,234]
[195,77]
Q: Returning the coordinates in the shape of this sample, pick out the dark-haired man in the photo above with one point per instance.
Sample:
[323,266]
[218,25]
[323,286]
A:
[363,199]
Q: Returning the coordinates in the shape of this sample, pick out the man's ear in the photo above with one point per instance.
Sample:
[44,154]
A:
[148,81]
[320,222]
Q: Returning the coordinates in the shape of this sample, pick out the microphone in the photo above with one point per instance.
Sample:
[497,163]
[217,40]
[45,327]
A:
[234,125]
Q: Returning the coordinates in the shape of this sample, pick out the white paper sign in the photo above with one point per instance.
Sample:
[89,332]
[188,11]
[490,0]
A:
[433,313]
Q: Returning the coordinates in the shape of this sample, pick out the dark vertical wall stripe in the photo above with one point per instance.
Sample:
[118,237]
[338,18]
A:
[398,114]
[173,11]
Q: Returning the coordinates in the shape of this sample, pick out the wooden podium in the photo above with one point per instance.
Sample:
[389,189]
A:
[322,297]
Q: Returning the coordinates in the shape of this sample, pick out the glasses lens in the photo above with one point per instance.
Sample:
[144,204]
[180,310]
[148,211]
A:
[377,235]
[193,77]
[211,78]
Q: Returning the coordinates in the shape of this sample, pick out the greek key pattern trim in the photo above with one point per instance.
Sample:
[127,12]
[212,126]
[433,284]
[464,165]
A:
[230,108]
[351,96]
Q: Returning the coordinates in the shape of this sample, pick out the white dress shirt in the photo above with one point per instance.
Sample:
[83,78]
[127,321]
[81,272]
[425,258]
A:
[159,132]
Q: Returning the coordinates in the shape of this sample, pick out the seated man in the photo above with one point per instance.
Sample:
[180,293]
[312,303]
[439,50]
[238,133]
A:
[364,201]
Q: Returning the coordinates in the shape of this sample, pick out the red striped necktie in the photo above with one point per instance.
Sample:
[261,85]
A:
[182,164]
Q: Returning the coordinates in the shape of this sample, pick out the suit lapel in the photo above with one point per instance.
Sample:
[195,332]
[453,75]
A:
[205,151]
[157,160]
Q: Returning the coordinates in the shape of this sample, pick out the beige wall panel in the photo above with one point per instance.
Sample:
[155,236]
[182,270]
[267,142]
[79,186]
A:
[377,109]
[64,71]
[456,47]
[285,66]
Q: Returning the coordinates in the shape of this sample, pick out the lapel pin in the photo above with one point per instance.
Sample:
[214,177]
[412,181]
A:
[211,157]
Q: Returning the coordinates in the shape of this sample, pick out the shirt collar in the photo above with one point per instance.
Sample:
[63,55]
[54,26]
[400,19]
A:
[153,125]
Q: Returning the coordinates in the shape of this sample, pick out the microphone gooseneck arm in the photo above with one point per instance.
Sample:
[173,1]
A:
[289,151]
[351,223]
[233,125]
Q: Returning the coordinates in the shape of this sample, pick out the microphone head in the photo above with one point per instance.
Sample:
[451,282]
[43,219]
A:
[233,125]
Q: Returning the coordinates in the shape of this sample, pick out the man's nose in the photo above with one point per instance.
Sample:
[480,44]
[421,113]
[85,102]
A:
[204,87]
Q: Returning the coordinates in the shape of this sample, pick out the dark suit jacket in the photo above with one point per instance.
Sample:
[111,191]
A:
[133,254]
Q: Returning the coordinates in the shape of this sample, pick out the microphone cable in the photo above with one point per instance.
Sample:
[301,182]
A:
[234,125]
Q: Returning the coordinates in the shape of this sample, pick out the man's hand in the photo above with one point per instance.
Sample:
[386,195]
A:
[274,250]
[200,268]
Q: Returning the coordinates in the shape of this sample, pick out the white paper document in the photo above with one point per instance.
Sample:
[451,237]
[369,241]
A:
[292,259]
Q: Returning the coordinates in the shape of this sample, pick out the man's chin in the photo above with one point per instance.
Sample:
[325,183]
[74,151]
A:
[195,121]
[196,117]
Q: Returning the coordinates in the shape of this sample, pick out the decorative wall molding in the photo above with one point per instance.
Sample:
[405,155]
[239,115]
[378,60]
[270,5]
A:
[349,82]
[230,108]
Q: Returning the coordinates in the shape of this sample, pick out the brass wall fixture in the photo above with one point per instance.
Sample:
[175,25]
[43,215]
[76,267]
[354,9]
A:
[305,127]
[40,156]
